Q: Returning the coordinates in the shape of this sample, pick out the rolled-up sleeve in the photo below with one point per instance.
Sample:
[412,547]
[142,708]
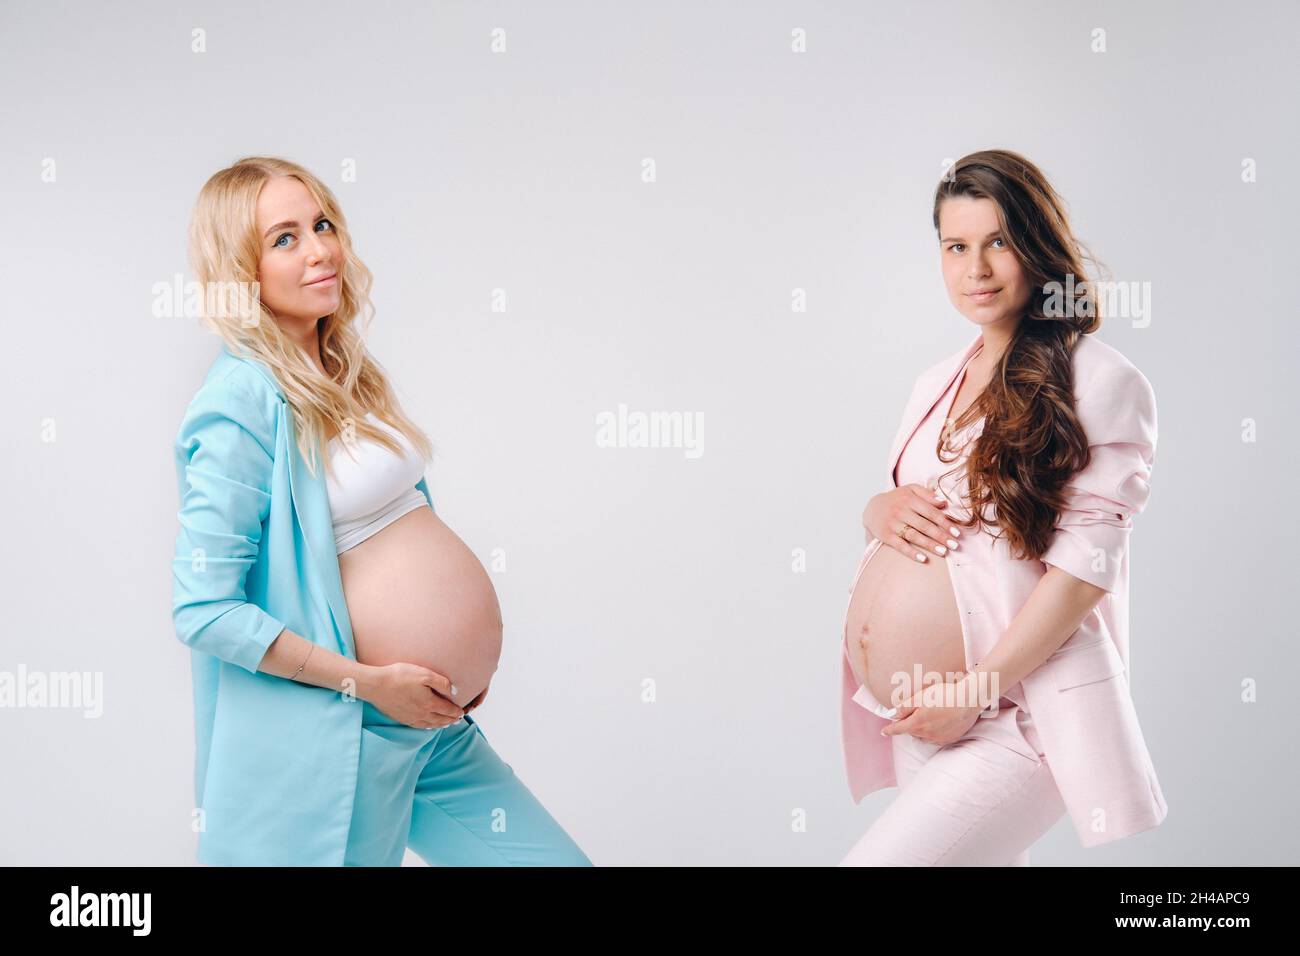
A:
[1118,413]
[224,468]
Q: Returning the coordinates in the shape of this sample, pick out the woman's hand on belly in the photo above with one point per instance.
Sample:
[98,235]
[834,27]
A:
[415,695]
[940,713]
[928,529]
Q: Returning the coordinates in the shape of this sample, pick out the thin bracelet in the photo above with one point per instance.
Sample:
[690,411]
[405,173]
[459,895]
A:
[303,664]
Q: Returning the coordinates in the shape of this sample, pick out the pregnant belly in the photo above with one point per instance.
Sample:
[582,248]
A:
[906,614]
[416,593]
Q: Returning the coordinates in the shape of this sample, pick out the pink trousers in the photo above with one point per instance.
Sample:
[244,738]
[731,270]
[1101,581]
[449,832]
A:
[978,801]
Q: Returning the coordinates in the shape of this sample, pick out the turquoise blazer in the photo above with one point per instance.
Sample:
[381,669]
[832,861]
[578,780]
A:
[276,760]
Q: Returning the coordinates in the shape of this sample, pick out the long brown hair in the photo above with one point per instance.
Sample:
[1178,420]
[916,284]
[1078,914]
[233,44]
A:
[1032,442]
[224,248]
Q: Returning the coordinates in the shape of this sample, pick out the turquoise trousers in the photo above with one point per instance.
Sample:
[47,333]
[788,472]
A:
[447,795]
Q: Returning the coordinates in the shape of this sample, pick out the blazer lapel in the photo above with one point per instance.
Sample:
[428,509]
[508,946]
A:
[929,389]
[312,507]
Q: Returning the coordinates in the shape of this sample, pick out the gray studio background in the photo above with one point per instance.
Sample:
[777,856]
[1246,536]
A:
[776,171]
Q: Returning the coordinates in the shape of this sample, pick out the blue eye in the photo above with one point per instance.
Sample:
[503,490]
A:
[998,239]
[285,235]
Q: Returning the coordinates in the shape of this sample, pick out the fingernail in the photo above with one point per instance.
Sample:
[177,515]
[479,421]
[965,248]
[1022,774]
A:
[453,690]
[940,549]
[955,532]
[920,556]
[952,544]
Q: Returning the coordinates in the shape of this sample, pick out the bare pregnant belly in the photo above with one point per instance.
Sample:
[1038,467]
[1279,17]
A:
[907,613]
[416,593]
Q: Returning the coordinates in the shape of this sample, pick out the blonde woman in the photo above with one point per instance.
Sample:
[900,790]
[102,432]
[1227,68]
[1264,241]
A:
[341,633]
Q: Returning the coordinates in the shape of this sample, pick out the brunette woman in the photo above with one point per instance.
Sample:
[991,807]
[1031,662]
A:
[985,643]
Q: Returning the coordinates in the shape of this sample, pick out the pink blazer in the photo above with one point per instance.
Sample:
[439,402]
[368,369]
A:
[1079,697]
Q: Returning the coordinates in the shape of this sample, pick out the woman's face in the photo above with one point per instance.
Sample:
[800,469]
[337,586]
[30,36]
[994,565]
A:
[976,256]
[300,252]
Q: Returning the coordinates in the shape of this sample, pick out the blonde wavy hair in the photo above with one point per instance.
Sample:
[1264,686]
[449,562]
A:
[224,248]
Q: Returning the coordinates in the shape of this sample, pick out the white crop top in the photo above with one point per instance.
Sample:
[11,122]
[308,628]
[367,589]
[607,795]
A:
[370,487]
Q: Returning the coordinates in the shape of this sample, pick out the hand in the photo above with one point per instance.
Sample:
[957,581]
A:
[929,531]
[933,715]
[477,700]
[416,696]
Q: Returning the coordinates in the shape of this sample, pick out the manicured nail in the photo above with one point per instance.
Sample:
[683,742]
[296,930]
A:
[883,734]
[921,557]
[955,532]
[952,544]
[453,690]
[941,549]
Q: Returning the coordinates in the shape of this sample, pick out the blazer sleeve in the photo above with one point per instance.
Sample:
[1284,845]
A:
[1118,413]
[224,461]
